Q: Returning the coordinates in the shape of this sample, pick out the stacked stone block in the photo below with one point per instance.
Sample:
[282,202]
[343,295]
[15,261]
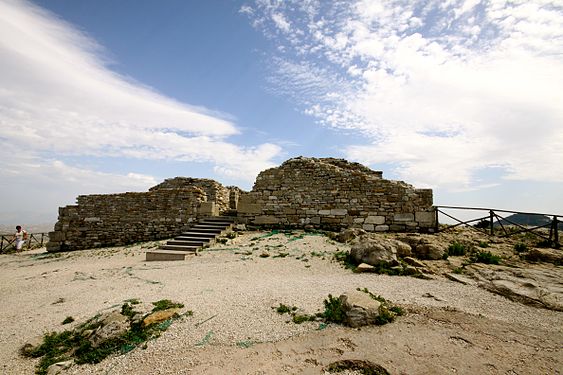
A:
[215,192]
[335,194]
[119,219]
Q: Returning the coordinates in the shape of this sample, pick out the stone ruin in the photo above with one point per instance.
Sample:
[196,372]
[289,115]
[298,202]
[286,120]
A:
[309,193]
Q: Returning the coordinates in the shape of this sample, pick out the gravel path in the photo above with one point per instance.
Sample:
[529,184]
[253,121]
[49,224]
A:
[231,290]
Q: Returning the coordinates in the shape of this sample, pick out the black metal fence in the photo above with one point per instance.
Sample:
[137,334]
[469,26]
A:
[493,223]
[8,241]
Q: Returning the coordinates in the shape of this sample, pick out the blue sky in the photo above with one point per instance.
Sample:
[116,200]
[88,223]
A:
[105,97]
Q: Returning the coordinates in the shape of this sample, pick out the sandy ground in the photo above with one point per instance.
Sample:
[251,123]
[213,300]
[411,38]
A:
[450,328]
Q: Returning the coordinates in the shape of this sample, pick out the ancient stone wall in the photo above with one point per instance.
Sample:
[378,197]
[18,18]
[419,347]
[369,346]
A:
[119,219]
[335,194]
[215,191]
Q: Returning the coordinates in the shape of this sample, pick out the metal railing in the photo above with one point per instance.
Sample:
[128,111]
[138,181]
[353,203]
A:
[7,241]
[487,224]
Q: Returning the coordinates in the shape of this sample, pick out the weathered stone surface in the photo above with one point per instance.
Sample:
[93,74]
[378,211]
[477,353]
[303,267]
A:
[540,287]
[160,316]
[545,255]
[360,309]
[374,251]
[377,220]
[425,246]
[59,367]
[113,325]
[364,267]
[350,234]
[414,262]
[265,219]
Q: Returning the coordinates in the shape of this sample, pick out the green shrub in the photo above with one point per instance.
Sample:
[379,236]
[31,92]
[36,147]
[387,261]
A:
[520,247]
[483,244]
[282,309]
[485,257]
[334,311]
[68,319]
[165,304]
[346,259]
[456,249]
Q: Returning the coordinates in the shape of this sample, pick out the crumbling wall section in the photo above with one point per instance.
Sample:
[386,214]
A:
[335,194]
[120,219]
[215,192]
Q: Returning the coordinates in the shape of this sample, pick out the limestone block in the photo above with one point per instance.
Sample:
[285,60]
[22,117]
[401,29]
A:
[339,211]
[382,228]
[377,220]
[324,212]
[425,218]
[368,227]
[266,219]
[316,220]
[91,219]
[359,220]
[403,217]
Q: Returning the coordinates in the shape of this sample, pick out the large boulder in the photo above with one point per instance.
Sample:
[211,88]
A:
[359,308]
[425,246]
[375,251]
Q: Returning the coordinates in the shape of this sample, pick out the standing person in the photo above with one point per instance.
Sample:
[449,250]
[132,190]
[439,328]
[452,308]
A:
[20,236]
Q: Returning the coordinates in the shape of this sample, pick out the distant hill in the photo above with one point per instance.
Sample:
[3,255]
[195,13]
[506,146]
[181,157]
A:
[527,220]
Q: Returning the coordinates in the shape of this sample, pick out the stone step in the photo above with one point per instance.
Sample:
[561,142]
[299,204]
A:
[222,224]
[165,255]
[182,242]
[220,218]
[198,234]
[192,249]
[188,237]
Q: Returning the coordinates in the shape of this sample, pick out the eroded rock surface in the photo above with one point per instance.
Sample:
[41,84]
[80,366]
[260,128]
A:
[540,287]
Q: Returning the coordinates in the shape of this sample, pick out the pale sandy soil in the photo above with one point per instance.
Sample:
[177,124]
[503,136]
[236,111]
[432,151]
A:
[450,328]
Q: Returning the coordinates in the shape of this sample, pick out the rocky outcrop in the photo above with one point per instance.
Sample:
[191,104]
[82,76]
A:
[425,246]
[539,287]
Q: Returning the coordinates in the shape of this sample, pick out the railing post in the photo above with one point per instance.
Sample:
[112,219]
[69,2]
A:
[436,225]
[555,232]
[1,243]
[491,218]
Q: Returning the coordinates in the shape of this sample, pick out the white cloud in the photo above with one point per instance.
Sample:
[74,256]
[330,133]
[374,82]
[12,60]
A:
[443,90]
[58,97]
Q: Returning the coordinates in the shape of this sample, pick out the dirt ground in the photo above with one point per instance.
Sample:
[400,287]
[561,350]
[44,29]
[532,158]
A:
[449,327]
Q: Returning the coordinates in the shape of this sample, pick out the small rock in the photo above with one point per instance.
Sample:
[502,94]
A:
[264,254]
[160,316]
[414,262]
[57,368]
[360,308]
[31,345]
[364,267]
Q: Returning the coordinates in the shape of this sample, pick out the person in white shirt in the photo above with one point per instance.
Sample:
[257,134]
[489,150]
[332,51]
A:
[20,237]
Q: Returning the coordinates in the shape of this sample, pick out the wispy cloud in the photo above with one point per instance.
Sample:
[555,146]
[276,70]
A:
[59,97]
[443,90]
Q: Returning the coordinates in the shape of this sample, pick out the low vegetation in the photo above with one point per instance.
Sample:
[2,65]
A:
[456,249]
[77,345]
[485,257]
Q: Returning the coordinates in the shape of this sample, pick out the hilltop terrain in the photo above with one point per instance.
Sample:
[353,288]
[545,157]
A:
[457,319]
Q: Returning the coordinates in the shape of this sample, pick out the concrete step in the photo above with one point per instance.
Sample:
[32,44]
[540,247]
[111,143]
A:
[205,230]
[166,255]
[191,249]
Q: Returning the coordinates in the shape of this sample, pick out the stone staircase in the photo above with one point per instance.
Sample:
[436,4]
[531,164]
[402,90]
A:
[201,234]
